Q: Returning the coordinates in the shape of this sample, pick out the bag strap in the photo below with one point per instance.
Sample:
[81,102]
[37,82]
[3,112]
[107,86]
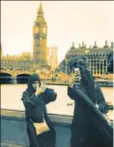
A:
[43,117]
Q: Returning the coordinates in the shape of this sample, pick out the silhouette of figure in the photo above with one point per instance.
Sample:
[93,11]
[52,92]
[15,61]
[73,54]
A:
[35,98]
[87,118]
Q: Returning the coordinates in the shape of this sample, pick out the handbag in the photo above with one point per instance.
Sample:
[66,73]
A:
[41,127]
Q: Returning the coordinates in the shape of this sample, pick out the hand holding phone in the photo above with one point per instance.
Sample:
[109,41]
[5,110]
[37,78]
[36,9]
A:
[41,89]
[43,86]
[72,79]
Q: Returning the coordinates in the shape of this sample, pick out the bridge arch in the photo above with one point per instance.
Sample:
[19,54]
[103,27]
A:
[6,78]
[22,78]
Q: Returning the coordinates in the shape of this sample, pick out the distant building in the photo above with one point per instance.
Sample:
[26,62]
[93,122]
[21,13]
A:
[97,57]
[21,62]
[40,50]
[53,60]
[1,51]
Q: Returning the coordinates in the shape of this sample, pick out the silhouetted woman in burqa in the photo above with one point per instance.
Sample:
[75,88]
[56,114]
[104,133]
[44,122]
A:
[89,127]
[35,101]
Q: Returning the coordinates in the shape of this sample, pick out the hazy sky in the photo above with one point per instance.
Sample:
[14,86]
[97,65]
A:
[67,21]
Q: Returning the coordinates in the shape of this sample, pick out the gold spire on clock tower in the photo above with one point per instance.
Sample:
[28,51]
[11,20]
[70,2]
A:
[40,11]
[40,50]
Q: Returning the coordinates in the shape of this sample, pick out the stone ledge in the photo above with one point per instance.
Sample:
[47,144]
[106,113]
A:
[9,144]
[12,113]
[57,119]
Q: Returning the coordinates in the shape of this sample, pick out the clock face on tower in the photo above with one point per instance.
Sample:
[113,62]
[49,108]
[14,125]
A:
[36,30]
[44,30]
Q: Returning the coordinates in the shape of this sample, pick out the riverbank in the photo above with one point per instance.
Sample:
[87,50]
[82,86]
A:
[100,83]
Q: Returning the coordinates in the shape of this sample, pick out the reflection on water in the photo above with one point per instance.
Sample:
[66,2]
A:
[11,98]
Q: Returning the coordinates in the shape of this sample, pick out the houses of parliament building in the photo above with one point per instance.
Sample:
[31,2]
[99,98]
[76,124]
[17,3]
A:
[43,57]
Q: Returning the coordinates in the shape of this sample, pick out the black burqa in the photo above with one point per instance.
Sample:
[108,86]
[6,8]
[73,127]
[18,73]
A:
[89,128]
[34,108]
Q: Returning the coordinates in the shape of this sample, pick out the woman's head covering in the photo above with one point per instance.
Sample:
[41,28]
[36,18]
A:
[31,80]
[76,62]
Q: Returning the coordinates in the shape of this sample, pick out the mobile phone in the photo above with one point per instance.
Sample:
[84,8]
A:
[77,73]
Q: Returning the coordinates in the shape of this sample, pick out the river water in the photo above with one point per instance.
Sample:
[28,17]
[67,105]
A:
[11,98]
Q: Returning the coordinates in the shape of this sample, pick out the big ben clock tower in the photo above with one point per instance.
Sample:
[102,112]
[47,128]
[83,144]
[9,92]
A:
[40,50]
